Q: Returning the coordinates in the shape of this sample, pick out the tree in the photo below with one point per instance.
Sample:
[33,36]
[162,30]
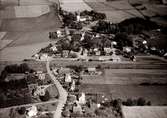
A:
[3,75]
[87,42]
[68,18]
[141,101]
[22,110]
[24,67]
[122,40]
[46,97]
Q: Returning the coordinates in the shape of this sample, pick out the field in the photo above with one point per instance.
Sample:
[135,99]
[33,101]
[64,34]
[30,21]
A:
[74,5]
[116,11]
[128,76]
[20,53]
[143,62]
[156,94]
[28,35]
[145,112]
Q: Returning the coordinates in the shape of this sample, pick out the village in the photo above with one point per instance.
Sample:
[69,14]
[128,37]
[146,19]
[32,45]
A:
[95,59]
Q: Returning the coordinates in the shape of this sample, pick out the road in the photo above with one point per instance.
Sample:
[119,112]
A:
[62,93]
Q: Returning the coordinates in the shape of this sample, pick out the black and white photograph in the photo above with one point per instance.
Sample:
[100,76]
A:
[83,58]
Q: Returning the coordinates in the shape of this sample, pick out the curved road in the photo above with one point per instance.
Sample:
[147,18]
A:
[62,93]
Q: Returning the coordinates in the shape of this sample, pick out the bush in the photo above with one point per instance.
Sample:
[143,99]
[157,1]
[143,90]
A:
[141,102]
[105,27]
[122,40]
[22,110]
[76,25]
[72,55]
[46,97]
[136,25]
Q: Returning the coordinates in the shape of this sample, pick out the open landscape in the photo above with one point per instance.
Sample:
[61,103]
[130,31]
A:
[83,59]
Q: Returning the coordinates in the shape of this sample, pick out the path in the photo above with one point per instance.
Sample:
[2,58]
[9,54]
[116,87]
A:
[62,93]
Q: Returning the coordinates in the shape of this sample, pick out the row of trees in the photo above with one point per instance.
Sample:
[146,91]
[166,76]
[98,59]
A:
[95,15]
[22,68]
[129,26]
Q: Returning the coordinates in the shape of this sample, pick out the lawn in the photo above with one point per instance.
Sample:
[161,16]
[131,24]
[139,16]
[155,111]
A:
[156,94]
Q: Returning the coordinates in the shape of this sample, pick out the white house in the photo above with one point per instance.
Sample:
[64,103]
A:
[73,86]
[127,49]
[80,18]
[31,112]
[53,48]
[41,76]
[82,99]
[59,33]
[68,78]
[107,50]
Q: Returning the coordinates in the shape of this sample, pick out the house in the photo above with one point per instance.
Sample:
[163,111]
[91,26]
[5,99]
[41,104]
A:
[68,78]
[72,86]
[81,18]
[53,48]
[40,90]
[31,112]
[36,56]
[91,69]
[41,76]
[82,99]
[165,55]
[127,49]
[65,53]
[107,50]
[59,33]
[39,72]
[113,43]
[97,51]
[43,57]
[77,108]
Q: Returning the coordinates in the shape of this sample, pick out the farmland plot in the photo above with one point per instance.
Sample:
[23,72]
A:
[156,94]
[116,11]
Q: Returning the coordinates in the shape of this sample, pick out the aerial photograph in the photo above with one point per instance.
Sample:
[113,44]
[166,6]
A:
[83,58]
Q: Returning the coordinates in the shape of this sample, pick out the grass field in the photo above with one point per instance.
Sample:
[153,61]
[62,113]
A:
[74,5]
[20,53]
[145,112]
[28,35]
[156,94]
[128,76]
[116,11]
